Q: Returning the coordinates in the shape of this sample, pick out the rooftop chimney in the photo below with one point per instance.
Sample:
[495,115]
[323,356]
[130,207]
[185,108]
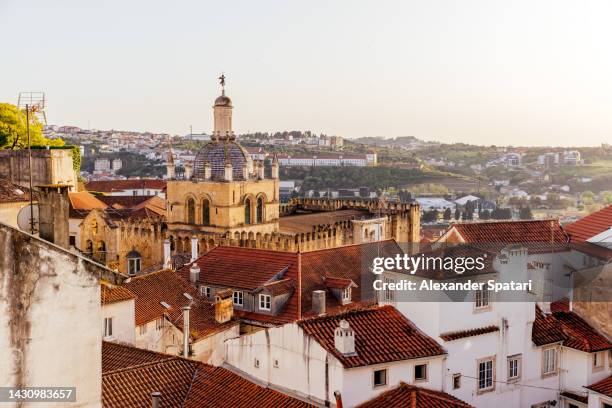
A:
[224,306]
[167,254]
[53,214]
[186,331]
[194,274]
[194,248]
[156,399]
[318,302]
[344,339]
[275,168]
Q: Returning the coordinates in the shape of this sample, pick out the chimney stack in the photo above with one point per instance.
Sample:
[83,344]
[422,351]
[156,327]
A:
[224,306]
[53,214]
[188,171]
[344,339]
[186,331]
[275,168]
[156,399]
[229,176]
[167,254]
[194,274]
[194,248]
[318,302]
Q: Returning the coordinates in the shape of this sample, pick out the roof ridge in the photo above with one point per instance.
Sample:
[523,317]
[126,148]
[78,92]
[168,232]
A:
[352,245]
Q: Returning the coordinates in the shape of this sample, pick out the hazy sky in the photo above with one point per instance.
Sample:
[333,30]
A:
[529,72]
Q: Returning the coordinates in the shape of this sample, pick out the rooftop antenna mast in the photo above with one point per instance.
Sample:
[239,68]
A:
[33,103]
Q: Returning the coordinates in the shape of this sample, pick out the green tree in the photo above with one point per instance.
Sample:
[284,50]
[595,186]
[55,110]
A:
[457,213]
[13,130]
[525,213]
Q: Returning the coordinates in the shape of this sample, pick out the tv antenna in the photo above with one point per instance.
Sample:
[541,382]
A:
[33,103]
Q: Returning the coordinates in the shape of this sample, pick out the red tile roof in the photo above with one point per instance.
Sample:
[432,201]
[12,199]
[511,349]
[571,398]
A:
[468,333]
[84,200]
[11,192]
[567,328]
[169,287]
[603,387]
[511,232]
[133,374]
[108,186]
[338,283]
[382,335]
[410,396]
[114,293]
[117,356]
[280,287]
[591,225]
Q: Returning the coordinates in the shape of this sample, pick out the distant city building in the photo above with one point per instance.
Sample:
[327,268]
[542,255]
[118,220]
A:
[572,157]
[548,159]
[116,165]
[328,159]
[102,165]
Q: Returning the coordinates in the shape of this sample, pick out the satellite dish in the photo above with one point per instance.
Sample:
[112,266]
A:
[24,216]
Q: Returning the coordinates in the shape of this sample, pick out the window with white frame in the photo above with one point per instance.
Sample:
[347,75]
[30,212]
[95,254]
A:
[133,266]
[108,326]
[486,368]
[598,360]
[346,294]
[205,291]
[265,302]
[380,378]
[514,367]
[481,299]
[238,298]
[549,360]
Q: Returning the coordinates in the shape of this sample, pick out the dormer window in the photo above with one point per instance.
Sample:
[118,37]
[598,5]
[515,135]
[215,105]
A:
[265,302]
[346,295]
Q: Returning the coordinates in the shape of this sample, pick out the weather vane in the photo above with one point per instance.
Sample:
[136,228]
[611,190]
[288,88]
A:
[222,80]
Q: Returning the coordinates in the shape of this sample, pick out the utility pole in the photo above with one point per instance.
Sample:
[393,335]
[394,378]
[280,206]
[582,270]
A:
[30,167]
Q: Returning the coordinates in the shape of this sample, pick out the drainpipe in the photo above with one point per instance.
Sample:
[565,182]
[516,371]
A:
[338,399]
[186,331]
[156,399]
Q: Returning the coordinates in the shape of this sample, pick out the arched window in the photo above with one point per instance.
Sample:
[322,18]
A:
[206,212]
[259,212]
[247,211]
[190,211]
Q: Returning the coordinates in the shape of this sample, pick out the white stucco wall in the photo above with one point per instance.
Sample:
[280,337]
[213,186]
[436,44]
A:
[123,320]
[47,293]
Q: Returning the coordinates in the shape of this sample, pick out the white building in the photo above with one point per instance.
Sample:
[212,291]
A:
[359,353]
[118,310]
[571,157]
[102,165]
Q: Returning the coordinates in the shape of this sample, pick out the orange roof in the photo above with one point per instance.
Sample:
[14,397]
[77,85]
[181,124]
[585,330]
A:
[84,200]
[382,335]
[132,374]
[11,192]
[603,387]
[449,336]
[511,232]
[567,328]
[108,186]
[405,395]
[113,293]
[169,287]
[591,225]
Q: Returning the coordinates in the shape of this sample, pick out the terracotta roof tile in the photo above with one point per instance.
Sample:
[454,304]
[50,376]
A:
[567,328]
[591,225]
[405,395]
[132,374]
[468,333]
[114,293]
[603,387]
[280,287]
[84,200]
[512,232]
[382,334]
[339,283]
[169,287]
[108,186]
[11,192]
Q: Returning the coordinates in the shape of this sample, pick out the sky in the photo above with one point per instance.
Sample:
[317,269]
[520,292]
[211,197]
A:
[482,72]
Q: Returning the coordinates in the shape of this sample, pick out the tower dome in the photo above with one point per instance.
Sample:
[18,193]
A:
[217,154]
[223,100]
